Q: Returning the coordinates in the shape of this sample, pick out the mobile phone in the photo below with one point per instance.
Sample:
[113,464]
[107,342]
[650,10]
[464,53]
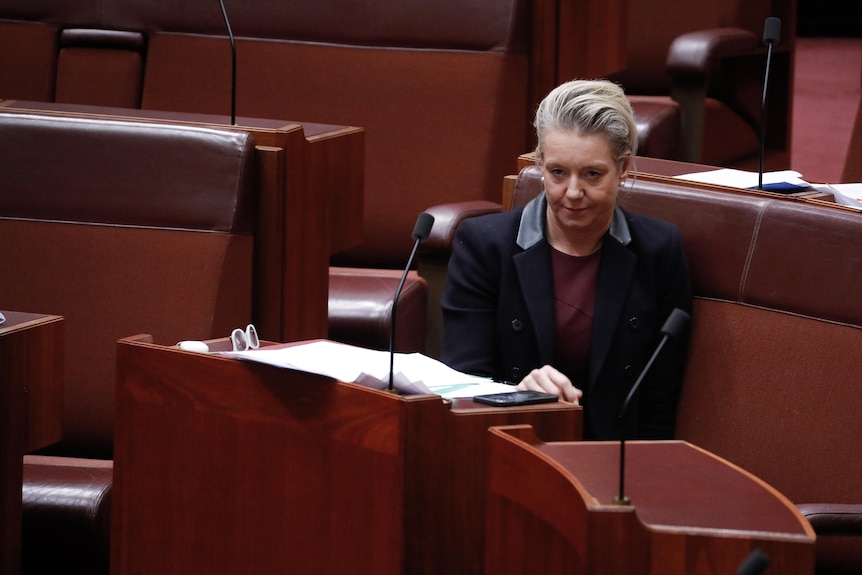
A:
[508,399]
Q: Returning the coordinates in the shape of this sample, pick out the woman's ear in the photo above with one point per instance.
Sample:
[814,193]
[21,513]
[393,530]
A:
[625,165]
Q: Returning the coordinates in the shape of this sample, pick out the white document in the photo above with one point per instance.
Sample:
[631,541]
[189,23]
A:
[784,180]
[845,194]
[414,373]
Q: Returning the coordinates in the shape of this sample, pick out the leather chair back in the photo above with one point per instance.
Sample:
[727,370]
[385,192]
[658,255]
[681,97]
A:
[123,228]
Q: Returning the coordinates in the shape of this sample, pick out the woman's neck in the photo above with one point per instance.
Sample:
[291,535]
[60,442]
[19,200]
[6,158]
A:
[581,244]
[580,248]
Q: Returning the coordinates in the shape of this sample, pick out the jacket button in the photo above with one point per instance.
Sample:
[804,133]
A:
[517,325]
[516,374]
[629,371]
[634,322]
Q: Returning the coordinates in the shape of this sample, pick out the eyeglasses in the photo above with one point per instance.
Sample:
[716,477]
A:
[245,340]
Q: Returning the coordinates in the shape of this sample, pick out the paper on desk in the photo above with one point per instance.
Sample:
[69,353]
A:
[415,373]
[784,180]
[845,194]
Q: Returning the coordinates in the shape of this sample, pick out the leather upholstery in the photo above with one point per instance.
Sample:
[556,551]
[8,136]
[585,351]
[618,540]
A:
[67,502]
[122,228]
[202,180]
[364,316]
[99,219]
[710,59]
[833,519]
[100,67]
[773,359]
[475,25]
[438,90]
[658,124]
[443,94]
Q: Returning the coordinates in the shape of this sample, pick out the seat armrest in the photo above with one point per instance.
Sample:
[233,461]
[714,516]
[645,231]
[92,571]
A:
[433,258]
[447,218]
[726,66]
[833,518]
[691,55]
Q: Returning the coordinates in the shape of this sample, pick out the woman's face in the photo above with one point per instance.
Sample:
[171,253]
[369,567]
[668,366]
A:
[581,178]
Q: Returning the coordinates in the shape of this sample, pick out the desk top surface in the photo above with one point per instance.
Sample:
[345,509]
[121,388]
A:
[311,129]
[18,320]
[673,484]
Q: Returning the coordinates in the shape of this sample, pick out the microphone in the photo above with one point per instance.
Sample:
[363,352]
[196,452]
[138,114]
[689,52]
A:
[771,33]
[755,564]
[421,231]
[232,65]
[673,326]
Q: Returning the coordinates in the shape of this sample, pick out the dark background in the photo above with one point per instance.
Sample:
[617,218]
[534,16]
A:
[838,18]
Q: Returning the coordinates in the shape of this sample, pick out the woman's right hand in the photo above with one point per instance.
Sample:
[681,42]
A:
[551,380]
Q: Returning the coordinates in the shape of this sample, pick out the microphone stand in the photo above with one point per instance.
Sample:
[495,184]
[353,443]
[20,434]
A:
[771,31]
[420,233]
[673,326]
[232,65]
[621,499]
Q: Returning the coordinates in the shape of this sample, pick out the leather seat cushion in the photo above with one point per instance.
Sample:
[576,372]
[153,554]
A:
[360,308]
[658,125]
[66,515]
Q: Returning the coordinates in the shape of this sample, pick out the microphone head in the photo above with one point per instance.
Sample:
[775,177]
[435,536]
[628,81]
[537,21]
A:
[422,229]
[675,323]
[755,564]
[771,30]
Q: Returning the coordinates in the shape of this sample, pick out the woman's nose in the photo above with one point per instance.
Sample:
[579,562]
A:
[574,188]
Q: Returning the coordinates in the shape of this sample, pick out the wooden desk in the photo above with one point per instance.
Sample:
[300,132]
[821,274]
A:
[311,206]
[551,510]
[31,392]
[225,466]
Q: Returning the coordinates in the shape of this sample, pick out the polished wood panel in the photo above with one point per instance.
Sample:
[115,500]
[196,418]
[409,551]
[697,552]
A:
[31,392]
[225,466]
[551,509]
[446,480]
[574,39]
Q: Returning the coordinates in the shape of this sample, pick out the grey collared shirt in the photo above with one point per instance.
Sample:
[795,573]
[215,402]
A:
[532,227]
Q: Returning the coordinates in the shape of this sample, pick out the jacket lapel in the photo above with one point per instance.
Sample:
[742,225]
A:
[615,275]
[533,268]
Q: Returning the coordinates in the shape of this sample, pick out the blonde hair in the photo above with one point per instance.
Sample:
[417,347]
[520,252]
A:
[589,107]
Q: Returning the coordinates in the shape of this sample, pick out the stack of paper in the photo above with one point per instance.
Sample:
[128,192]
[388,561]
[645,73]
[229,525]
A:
[785,181]
[414,373]
[845,194]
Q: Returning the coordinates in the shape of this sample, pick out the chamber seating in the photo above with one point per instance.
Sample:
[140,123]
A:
[773,364]
[709,61]
[121,228]
[446,96]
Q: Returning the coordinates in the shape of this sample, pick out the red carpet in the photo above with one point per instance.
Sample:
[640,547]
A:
[827,95]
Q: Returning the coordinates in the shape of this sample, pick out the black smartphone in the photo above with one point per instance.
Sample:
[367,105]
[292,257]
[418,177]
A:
[508,399]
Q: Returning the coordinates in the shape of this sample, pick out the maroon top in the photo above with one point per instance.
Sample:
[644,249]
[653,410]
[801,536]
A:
[575,303]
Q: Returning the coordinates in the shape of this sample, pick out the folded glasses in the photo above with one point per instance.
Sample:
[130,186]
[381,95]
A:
[243,340]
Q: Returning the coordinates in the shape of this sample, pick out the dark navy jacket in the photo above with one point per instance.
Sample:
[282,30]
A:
[498,313]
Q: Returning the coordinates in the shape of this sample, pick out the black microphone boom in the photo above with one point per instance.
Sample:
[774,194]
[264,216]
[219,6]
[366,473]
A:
[421,231]
[673,326]
[771,33]
[755,564]
[232,64]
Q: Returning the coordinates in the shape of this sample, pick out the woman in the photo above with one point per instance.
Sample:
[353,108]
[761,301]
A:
[569,293]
